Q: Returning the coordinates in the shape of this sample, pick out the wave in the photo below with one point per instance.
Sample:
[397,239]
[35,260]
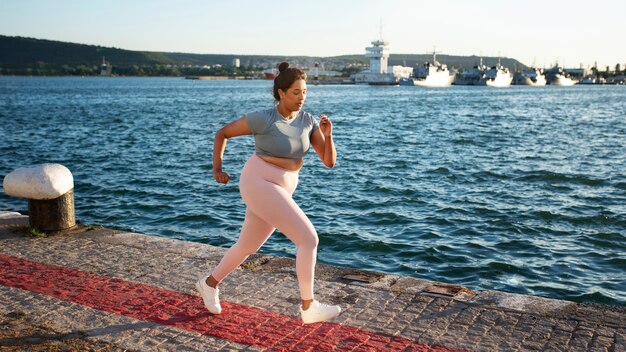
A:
[561,178]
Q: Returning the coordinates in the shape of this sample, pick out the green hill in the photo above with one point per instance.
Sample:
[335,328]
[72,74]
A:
[19,52]
[19,55]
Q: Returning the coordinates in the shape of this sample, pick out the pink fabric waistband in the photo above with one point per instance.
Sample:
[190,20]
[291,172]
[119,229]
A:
[257,167]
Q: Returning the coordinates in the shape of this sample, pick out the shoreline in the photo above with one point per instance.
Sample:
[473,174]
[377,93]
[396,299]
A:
[580,299]
[330,81]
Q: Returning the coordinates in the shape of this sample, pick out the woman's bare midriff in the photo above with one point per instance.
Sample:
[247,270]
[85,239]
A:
[284,163]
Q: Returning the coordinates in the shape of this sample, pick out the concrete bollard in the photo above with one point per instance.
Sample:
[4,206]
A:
[49,189]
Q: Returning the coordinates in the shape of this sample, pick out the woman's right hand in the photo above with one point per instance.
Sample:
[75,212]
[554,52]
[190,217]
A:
[236,128]
[220,176]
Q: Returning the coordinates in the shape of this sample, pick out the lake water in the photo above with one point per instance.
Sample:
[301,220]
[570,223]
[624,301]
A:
[520,189]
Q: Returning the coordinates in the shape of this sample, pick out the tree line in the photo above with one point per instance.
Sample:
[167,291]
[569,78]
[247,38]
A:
[158,70]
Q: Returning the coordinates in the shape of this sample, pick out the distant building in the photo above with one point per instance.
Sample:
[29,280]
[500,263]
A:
[317,72]
[236,62]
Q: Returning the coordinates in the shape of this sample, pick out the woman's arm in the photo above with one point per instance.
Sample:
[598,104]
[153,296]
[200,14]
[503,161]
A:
[322,142]
[236,128]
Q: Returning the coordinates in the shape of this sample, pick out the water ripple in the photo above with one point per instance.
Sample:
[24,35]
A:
[522,189]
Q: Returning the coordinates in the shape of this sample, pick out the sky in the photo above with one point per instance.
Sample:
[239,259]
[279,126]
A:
[571,32]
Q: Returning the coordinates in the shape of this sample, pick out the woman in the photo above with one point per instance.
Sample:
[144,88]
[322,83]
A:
[282,136]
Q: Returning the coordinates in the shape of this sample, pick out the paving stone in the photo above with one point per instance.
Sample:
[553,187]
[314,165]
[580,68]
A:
[391,306]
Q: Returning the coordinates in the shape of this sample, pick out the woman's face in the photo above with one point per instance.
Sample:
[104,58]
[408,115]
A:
[293,98]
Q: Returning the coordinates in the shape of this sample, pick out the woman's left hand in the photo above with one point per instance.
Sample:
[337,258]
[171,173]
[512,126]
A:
[326,126]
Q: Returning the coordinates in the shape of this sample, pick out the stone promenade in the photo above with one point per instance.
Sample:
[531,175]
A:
[102,290]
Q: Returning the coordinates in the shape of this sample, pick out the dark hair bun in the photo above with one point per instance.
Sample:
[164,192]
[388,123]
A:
[285,79]
[283,66]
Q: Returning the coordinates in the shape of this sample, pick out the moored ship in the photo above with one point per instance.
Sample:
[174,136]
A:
[473,76]
[270,73]
[481,75]
[497,76]
[557,76]
[431,74]
[532,77]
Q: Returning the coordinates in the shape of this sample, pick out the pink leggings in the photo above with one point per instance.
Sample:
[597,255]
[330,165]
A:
[266,190]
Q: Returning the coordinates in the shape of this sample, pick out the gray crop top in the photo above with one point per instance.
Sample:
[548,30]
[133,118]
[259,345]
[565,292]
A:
[276,136]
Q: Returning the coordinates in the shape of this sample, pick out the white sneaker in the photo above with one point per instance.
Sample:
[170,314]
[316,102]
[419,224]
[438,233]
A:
[210,296]
[319,312]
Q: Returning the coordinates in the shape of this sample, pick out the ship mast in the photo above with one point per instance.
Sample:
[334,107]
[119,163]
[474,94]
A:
[435,55]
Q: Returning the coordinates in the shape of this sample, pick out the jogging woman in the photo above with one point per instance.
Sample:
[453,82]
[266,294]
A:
[283,136]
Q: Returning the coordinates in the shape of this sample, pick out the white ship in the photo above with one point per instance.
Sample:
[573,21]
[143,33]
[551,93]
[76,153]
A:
[562,80]
[379,73]
[432,75]
[557,76]
[531,77]
[481,75]
[472,77]
[497,76]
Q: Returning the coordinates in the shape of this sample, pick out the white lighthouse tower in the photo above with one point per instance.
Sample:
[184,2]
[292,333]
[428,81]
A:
[379,72]
[105,68]
[378,54]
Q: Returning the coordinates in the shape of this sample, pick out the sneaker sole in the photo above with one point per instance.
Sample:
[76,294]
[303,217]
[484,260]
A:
[323,320]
